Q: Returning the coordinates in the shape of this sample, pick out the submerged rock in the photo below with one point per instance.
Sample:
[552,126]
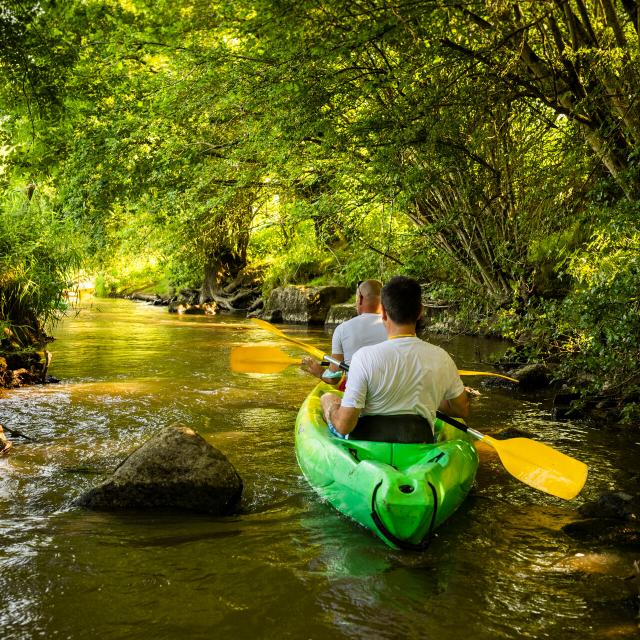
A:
[5,444]
[512,432]
[614,504]
[532,376]
[175,469]
[605,531]
[613,520]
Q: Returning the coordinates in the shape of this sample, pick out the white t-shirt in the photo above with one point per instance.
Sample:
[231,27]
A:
[404,375]
[361,331]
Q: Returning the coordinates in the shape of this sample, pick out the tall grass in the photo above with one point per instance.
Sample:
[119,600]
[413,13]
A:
[39,252]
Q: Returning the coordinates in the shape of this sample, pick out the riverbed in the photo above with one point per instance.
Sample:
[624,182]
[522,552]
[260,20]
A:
[287,565]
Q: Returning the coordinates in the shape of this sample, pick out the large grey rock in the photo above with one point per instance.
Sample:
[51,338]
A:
[305,305]
[339,313]
[175,469]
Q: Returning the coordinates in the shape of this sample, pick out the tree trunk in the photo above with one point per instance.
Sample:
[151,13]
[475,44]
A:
[220,268]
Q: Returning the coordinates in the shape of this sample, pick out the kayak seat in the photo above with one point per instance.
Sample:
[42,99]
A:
[405,428]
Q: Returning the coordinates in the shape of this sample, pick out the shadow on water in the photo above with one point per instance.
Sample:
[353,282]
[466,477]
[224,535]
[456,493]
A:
[287,565]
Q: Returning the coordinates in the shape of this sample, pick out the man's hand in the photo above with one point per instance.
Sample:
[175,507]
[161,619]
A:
[329,402]
[311,366]
[456,407]
[344,419]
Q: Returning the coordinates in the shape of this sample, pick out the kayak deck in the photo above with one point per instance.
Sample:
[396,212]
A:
[402,492]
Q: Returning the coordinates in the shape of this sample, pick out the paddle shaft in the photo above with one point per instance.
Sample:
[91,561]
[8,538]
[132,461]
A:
[15,432]
[459,425]
[338,363]
[267,326]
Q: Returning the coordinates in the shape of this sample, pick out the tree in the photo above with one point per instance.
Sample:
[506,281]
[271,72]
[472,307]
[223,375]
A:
[579,58]
[372,105]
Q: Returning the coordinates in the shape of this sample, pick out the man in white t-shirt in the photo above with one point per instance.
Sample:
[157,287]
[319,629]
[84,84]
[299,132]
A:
[404,379]
[363,330]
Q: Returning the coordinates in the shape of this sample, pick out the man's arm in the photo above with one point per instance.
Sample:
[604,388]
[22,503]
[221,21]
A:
[336,356]
[456,407]
[333,368]
[344,419]
[313,367]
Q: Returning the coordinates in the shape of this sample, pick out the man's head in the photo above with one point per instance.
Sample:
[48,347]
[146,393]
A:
[368,296]
[402,300]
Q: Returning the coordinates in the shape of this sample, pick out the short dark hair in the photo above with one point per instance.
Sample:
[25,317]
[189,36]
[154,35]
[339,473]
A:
[402,299]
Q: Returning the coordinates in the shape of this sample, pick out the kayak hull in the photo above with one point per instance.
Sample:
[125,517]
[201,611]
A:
[401,492]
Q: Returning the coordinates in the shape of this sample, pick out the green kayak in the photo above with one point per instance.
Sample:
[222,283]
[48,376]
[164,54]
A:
[402,492]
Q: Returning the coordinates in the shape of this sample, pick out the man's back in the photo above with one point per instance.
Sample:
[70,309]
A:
[402,376]
[361,331]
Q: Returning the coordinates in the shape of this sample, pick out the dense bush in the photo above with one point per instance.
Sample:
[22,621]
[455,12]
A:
[489,149]
[593,334]
[39,253]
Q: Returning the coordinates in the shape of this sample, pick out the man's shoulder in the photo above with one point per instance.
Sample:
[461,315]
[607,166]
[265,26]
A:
[374,350]
[434,347]
[436,353]
[364,319]
[391,348]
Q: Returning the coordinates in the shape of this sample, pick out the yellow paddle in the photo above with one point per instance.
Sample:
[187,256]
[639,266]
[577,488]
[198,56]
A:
[464,372]
[267,326]
[265,359]
[260,359]
[534,463]
[316,353]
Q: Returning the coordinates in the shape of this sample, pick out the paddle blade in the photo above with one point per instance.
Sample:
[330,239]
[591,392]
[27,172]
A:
[486,373]
[316,353]
[540,466]
[260,359]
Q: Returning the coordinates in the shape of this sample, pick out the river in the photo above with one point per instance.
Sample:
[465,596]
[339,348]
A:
[287,565]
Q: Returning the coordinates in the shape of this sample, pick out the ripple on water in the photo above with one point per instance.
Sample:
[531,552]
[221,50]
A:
[288,565]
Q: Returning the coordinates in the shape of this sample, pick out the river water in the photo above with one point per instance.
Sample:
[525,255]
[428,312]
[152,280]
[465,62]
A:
[286,566]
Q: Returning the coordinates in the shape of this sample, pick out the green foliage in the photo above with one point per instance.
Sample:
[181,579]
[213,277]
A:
[593,333]
[287,257]
[604,307]
[39,255]
[463,143]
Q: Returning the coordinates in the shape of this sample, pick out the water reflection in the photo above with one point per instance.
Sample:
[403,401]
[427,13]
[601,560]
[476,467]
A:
[286,566]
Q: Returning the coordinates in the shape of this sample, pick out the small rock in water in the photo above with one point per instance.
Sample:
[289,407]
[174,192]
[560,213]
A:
[175,469]
[532,376]
[613,519]
[511,432]
[614,504]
